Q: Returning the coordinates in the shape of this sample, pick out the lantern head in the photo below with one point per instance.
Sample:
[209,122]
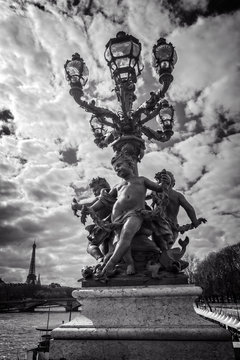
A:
[98,130]
[165,117]
[164,59]
[76,71]
[123,58]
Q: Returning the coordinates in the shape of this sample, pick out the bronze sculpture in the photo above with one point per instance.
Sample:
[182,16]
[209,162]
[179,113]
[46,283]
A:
[99,240]
[143,235]
[123,210]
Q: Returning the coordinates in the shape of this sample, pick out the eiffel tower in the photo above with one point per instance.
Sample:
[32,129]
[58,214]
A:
[31,278]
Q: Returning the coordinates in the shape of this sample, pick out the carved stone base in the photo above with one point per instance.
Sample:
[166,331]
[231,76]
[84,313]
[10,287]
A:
[152,322]
[165,278]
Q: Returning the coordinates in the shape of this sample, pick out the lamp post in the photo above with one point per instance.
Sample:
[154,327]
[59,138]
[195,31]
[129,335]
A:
[123,57]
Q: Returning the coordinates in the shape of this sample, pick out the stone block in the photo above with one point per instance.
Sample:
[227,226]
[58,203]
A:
[151,322]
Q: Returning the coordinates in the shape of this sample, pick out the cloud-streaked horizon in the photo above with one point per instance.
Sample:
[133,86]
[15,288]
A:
[50,156]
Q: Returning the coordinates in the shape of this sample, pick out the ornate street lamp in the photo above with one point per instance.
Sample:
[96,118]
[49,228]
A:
[76,71]
[127,126]
[164,59]
[123,55]
[123,58]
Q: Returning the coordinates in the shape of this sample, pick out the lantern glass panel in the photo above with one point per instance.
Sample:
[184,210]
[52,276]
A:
[166,113]
[121,49]
[96,125]
[77,71]
[122,62]
[113,66]
[165,64]
[167,123]
[164,52]
[159,121]
[140,63]
[74,68]
[108,55]
[133,62]
[124,76]
[174,57]
[85,71]
[136,49]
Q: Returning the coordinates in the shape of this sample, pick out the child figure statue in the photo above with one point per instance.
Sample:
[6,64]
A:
[165,238]
[126,214]
[99,240]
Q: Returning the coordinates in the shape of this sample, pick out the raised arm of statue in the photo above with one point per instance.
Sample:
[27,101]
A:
[76,206]
[151,185]
[106,199]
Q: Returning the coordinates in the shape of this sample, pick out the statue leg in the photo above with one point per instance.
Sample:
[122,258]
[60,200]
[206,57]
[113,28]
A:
[130,263]
[129,229]
[94,251]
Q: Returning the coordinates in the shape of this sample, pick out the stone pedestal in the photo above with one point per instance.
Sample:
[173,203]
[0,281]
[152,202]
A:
[132,323]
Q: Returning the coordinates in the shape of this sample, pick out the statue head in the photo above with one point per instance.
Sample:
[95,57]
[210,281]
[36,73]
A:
[124,161]
[172,179]
[97,184]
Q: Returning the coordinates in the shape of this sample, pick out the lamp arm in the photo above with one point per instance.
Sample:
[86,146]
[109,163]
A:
[156,135]
[150,104]
[152,114]
[100,112]
[105,122]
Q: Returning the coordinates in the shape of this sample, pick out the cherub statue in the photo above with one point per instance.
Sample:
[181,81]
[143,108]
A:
[126,214]
[99,240]
[166,232]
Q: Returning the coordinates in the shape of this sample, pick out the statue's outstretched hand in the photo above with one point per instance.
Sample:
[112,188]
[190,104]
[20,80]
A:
[75,207]
[202,220]
[199,221]
[191,226]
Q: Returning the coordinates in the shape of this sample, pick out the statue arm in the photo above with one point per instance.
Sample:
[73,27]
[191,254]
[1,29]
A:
[189,209]
[151,185]
[78,206]
[105,200]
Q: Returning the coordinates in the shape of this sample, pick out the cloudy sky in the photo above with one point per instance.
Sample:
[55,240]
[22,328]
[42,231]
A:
[46,146]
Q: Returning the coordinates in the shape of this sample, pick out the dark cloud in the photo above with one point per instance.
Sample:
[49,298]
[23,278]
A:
[186,13]
[19,232]
[42,194]
[7,126]
[39,6]
[31,227]
[69,156]
[13,211]
[11,234]
[225,127]
[6,115]
[235,214]
[8,189]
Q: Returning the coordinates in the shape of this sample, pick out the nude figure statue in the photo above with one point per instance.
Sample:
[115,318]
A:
[165,240]
[126,215]
[99,241]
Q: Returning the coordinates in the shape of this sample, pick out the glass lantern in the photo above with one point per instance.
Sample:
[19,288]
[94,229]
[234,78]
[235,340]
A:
[97,126]
[164,56]
[123,57]
[76,71]
[165,117]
